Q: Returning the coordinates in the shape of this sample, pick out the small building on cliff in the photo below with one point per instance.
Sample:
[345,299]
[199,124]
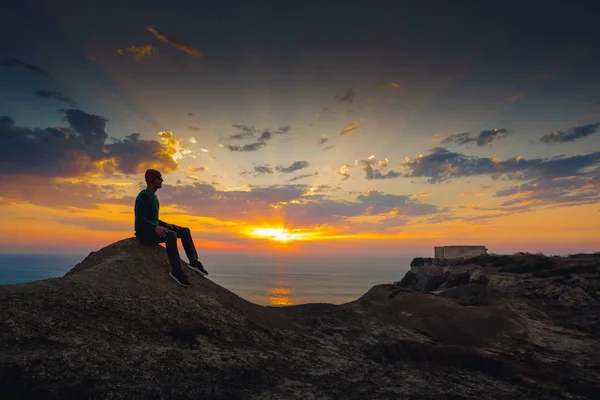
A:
[449,252]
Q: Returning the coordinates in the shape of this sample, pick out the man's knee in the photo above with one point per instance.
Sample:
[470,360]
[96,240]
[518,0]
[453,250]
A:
[171,236]
[185,230]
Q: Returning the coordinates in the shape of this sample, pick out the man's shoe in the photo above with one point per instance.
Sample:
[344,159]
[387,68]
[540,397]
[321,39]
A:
[197,266]
[180,277]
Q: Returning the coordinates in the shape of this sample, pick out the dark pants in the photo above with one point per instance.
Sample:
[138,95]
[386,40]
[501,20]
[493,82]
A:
[171,243]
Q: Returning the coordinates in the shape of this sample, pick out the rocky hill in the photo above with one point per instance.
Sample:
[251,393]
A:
[116,327]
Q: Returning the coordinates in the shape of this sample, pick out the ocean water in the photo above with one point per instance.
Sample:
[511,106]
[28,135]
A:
[261,279]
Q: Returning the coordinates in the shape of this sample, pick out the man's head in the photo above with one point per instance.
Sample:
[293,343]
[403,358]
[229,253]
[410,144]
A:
[154,178]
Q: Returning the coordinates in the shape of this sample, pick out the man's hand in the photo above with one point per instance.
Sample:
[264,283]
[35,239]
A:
[172,226]
[161,231]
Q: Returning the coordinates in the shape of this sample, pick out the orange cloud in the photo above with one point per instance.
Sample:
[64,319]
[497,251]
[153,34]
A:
[352,126]
[140,52]
[179,44]
[517,96]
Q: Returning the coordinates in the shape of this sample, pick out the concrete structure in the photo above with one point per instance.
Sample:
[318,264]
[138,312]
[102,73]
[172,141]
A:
[447,252]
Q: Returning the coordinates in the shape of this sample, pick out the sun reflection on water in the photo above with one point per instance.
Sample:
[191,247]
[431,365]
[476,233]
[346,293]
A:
[281,297]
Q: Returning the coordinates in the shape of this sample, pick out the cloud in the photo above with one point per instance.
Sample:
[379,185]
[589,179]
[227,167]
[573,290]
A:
[373,173]
[133,155]
[248,132]
[245,148]
[379,203]
[194,128]
[485,137]
[140,52]
[179,44]
[458,138]
[192,140]
[343,171]
[347,96]
[323,139]
[352,126]
[75,151]
[197,169]
[263,169]
[63,195]
[90,127]
[570,190]
[296,165]
[297,178]
[542,77]
[517,96]
[190,114]
[442,165]
[47,94]
[14,62]
[571,135]
[385,85]
[328,147]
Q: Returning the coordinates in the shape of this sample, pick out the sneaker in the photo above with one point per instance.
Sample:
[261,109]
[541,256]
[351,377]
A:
[197,266]
[180,277]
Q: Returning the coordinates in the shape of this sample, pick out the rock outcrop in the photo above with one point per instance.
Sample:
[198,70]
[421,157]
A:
[116,327]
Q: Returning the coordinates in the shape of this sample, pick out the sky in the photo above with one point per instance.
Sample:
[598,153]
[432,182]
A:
[371,128]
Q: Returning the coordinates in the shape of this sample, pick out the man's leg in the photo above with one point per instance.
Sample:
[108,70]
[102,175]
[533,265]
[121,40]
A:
[173,254]
[190,250]
[188,243]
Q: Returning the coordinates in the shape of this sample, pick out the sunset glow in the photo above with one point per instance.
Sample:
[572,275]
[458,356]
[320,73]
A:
[325,138]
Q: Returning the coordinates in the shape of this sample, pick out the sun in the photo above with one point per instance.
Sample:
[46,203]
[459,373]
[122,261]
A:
[282,234]
[277,234]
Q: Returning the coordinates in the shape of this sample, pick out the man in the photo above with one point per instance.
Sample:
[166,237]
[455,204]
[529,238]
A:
[151,230]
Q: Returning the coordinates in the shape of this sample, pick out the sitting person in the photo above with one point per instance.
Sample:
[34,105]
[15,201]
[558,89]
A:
[151,230]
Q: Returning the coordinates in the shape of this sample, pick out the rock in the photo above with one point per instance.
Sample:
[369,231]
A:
[117,327]
[474,294]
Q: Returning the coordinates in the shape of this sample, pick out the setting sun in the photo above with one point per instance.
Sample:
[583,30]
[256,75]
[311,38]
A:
[279,234]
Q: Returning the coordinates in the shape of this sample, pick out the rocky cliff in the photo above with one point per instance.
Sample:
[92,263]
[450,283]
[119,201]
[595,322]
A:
[116,327]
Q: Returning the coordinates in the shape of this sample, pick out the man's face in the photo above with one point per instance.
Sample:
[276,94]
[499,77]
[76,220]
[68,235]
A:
[158,182]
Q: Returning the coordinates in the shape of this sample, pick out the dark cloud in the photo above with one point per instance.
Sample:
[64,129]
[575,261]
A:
[485,137]
[91,128]
[323,139]
[178,44]
[193,128]
[47,94]
[263,169]
[458,138]
[371,172]
[443,165]
[247,147]
[75,151]
[379,203]
[296,165]
[190,114]
[297,178]
[249,132]
[44,192]
[571,135]
[347,96]
[297,205]
[328,147]
[489,136]
[14,62]
[140,52]
[132,155]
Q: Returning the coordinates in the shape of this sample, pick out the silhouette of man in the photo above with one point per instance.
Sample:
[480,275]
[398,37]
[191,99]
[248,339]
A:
[151,230]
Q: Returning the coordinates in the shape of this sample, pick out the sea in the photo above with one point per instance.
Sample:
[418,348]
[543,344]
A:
[276,280]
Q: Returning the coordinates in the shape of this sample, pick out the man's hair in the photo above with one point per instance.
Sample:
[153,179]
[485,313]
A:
[151,174]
